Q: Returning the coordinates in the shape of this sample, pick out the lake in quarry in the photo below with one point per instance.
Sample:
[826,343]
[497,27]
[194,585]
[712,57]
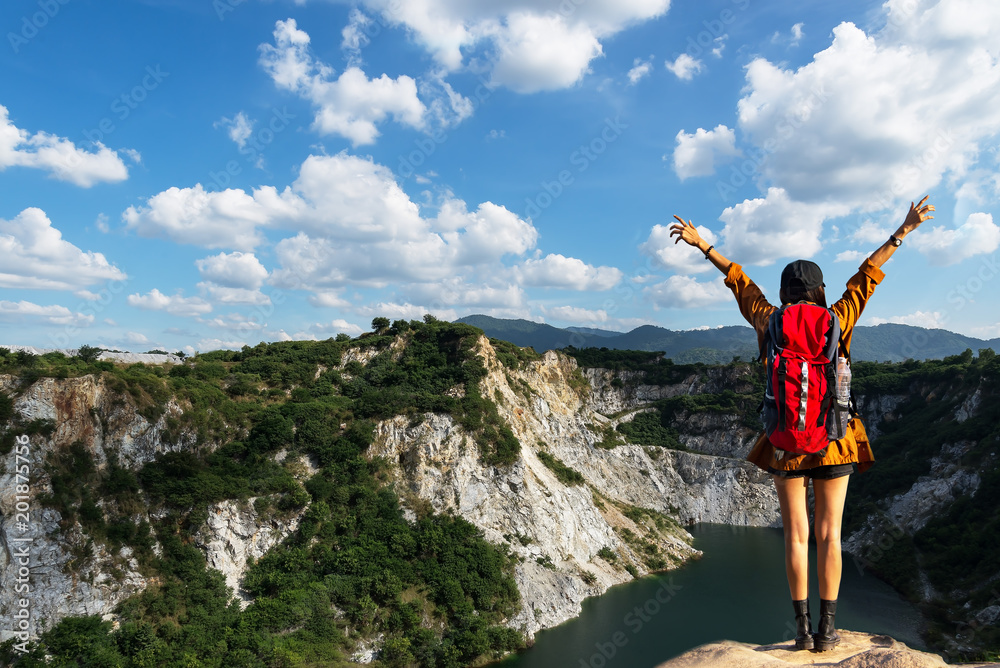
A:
[736,591]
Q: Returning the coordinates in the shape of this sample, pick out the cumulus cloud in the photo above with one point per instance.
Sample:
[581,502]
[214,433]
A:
[640,69]
[876,119]
[34,255]
[404,311]
[239,128]
[869,232]
[58,156]
[176,304]
[28,313]
[686,292]
[327,329]
[529,46]
[942,246]
[931,320]
[685,67]
[233,270]
[350,105]
[677,257]
[763,230]
[543,52]
[557,271]
[350,224]
[577,315]
[850,256]
[698,154]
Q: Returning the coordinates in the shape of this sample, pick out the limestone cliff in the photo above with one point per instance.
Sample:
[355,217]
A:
[559,529]
[572,540]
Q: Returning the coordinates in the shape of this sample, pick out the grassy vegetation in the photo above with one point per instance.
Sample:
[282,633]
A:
[565,474]
[434,590]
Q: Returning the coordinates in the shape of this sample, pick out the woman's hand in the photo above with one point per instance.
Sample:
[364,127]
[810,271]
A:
[686,231]
[918,214]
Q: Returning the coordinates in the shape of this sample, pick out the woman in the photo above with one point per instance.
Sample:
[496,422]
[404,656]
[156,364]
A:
[830,470]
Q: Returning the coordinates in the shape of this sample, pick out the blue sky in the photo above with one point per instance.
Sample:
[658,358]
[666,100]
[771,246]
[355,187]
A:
[190,175]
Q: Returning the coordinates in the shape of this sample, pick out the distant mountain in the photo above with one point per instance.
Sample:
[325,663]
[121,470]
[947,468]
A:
[887,342]
[594,331]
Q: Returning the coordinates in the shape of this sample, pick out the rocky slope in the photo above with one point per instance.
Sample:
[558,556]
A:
[565,526]
[856,650]
[630,509]
[71,574]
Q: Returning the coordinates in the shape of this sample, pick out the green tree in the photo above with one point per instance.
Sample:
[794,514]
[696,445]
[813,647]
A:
[380,324]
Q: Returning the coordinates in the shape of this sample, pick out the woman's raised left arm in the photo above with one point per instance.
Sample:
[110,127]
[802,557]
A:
[688,232]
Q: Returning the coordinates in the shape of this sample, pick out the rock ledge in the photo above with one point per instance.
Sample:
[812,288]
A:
[856,650]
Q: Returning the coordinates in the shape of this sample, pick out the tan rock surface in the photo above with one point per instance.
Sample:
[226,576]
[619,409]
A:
[856,650]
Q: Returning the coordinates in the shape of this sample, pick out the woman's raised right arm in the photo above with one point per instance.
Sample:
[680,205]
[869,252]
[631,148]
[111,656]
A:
[917,214]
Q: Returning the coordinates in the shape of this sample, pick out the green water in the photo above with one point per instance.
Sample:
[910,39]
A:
[736,591]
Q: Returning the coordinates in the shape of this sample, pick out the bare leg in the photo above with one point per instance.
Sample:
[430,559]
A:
[795,520]
[830,495]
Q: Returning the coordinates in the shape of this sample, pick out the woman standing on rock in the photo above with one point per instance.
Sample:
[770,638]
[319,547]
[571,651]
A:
[830,469]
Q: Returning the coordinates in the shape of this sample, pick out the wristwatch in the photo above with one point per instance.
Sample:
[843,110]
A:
[895,241]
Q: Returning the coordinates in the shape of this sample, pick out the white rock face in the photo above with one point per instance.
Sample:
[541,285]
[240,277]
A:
[234,532]
[439,464]
[62,581]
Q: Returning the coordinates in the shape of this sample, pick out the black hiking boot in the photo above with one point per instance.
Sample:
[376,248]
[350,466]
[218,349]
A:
[826,636]
[803,625]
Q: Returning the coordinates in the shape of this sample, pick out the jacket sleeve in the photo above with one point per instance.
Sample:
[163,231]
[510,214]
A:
[753,305]
[849,307]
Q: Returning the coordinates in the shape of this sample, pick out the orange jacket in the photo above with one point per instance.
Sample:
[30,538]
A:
[854,447]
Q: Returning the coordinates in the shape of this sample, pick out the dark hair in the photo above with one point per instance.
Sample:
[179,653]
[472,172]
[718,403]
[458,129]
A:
[793,295]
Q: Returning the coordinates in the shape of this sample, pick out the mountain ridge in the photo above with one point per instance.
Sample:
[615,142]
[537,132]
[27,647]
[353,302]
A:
[887,342]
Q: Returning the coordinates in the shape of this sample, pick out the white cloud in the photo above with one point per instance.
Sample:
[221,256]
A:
[25,313]
[850,256]
[239,128]
[405,311]
[870,233]
[354,35]
[797,33]
[761,231]
[226,219]
[222,295]
[677,257]
[942,246]
[685,67]
[932,320]
[34,255]
[530,45]
[58,156]
[135,338]
[577,315]
[206,345]
[326,330]
[640,69]
[686,292]
[720,45]
[350,105]
[543,52]
[328,299]
[557,271]
[233,270]
[875,120]
[237,322]
[177,304]
[698,154]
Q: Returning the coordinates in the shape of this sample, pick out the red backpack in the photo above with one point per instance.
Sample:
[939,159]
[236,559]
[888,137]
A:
[800,410]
